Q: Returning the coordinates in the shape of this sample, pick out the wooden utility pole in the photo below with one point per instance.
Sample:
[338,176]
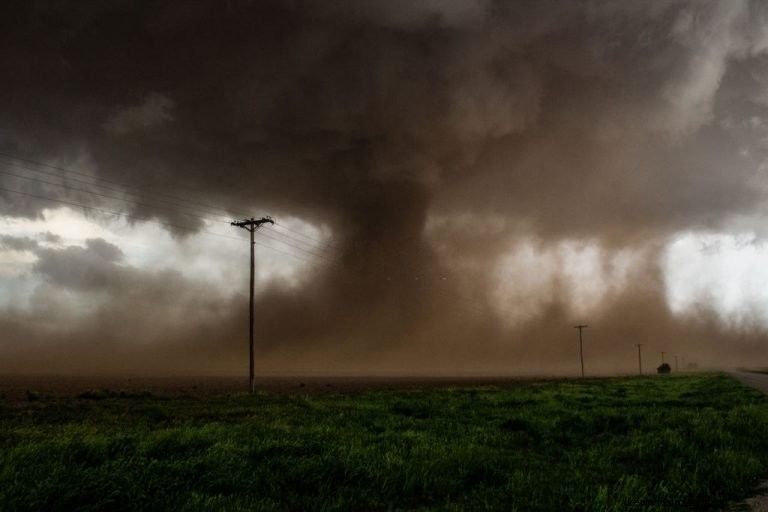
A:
[251,225]
[581,347]
[639,358]
[675,363]
[662,357]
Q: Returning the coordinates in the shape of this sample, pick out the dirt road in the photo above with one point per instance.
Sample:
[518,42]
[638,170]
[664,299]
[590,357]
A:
[759,381]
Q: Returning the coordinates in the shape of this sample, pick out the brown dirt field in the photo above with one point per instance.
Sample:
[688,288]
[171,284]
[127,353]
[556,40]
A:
[15,388]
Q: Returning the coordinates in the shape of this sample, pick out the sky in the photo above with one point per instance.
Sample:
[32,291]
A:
[455,185]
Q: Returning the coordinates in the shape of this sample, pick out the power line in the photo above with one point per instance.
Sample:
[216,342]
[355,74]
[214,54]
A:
[175,205]
[137,203]
[173,209]
[169,209]
[294,246]
[150,221]
[302,234]
[125,185]
[302,241]
[105,187]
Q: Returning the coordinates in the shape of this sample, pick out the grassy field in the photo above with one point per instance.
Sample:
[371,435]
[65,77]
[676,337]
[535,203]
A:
[565,445]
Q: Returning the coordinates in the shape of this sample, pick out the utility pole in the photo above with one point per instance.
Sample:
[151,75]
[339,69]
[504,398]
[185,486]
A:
[251,225]
[662,358]
[581,348]
[675,364]
[639,358]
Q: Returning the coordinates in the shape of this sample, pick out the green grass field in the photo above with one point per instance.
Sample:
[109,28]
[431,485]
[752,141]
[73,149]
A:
[555,446]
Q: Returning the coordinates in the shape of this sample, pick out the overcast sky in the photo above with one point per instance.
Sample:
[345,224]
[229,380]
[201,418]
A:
[456,184]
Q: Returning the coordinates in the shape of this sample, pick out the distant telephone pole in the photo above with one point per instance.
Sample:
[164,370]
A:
[675,363]
[581,348]
[662,357]
[639,358]
[251,225]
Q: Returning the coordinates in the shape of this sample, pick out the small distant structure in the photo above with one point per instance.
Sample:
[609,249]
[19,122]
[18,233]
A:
[664,368]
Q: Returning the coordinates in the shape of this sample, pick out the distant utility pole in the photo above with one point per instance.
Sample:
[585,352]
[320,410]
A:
[639,358]
[675,363]
[251,225]
[581,348]
[662,358]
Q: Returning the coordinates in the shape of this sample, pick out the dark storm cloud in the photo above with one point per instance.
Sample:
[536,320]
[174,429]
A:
[618,122]
[15,243]
[51,238]
[310,106]
[85,268]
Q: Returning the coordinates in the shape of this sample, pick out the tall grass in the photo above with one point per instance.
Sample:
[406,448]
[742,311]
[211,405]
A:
[570,445]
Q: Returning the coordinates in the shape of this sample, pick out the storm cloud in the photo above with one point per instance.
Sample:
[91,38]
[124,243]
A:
[489,172]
